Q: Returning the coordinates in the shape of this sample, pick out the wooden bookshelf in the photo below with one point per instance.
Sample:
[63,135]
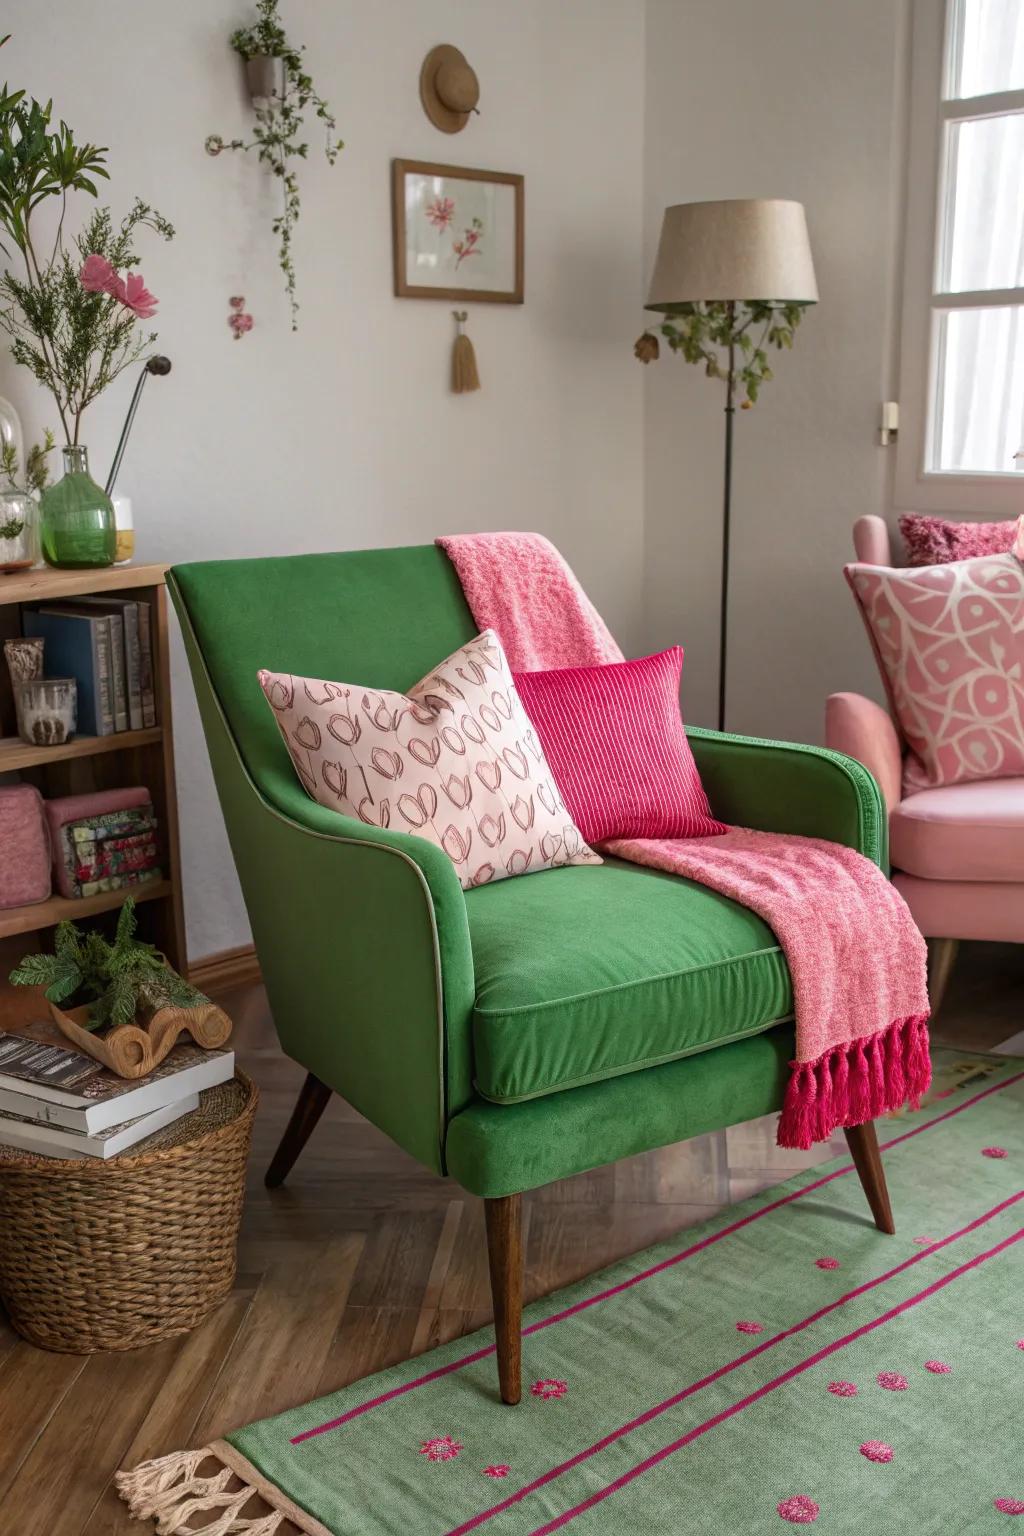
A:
[87,763]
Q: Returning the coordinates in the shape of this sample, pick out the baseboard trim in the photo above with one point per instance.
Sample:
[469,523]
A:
[227,968]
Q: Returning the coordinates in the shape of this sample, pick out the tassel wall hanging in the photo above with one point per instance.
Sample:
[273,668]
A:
[464,370]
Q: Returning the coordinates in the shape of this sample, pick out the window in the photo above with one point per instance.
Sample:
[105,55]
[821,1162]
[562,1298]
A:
[962,391]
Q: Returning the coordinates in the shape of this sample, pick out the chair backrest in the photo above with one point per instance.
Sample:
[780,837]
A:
[380,618]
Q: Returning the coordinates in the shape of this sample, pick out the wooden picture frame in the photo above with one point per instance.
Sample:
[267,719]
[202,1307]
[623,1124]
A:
[433,240]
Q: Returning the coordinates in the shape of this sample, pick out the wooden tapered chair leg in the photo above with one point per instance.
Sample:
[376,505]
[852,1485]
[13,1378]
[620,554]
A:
[505,1255]
[309,1106]
[863,1144]
[942,955]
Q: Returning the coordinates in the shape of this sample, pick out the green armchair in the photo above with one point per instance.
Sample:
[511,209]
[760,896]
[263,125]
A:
[524,1031]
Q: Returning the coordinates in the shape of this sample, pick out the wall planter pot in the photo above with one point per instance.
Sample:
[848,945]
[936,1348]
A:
[264,73]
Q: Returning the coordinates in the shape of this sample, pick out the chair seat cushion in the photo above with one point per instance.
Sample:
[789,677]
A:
[962,832]
[597,971]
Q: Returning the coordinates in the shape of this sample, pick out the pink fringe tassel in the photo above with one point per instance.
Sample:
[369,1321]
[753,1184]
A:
[851,1084]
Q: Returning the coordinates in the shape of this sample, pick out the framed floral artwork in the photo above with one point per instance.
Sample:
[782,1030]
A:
[458,233]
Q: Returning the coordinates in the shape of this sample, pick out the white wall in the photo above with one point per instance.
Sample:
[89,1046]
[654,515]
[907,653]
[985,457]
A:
[776,98]
[345,435]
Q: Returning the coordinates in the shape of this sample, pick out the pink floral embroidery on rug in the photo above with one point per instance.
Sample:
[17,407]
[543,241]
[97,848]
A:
[937,1367]
[1020,1343]
[842,1389]
[750,1328]
[826,1263]
[993,1152]
[876,1450]
[892,1381]
[445,1449]
[1009,1506]
[501,1470]
[799,1510]
[922,1242]
[549,1388]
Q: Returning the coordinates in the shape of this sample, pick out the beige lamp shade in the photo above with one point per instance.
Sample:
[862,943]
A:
[742,248]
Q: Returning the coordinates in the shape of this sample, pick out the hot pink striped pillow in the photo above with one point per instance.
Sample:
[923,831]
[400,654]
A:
[614,740]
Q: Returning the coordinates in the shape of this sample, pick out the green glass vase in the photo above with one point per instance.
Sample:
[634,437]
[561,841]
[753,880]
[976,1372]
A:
[76,518]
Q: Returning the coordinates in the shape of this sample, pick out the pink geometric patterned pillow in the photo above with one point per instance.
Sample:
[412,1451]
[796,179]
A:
[617,746]
[949,641]
[455,761]
[935,541]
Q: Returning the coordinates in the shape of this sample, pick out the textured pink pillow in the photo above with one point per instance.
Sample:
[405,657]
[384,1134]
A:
[615,740]
[935,541]
[455,761]
[949,640]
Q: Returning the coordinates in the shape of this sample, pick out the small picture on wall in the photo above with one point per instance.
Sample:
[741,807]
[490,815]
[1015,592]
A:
[458,233]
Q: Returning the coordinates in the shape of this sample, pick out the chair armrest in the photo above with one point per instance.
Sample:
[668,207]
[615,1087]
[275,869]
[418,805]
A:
[864,730]
[363,941]
[777,786]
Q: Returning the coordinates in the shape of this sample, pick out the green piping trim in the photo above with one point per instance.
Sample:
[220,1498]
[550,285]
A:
[186,623]
[622,986]
[636,1066]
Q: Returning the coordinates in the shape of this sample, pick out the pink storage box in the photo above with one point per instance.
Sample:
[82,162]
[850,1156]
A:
[24,847]
[72,808]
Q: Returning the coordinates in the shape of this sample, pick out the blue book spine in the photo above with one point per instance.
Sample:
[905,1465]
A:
[73,649]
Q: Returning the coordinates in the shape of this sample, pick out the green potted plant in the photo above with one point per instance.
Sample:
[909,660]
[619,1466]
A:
[72,315]
[282,91]
[132,1004]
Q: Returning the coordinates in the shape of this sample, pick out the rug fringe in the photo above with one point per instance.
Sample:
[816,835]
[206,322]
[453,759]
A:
[851,1084]
[170,1491]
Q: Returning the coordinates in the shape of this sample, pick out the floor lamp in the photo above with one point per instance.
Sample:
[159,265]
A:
[731,254]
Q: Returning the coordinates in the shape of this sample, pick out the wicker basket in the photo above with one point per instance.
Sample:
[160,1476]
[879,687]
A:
[112,1255]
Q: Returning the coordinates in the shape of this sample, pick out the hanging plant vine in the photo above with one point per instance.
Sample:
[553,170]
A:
[280,119]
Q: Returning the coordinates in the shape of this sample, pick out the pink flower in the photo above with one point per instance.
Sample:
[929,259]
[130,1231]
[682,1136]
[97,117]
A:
[827,1263]
[892,1381]
[937,1368]
[549,1388]
[799,1510]
[445,1449]
[440,212]
[97,275]
[1020,1343]
[842,1389]
[993,1152]
[137,297]
[501,1470]
[876,1450]
[1009,1506]
[750,1328]
[240,323]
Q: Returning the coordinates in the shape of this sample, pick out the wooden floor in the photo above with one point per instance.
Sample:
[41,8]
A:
[362,1260]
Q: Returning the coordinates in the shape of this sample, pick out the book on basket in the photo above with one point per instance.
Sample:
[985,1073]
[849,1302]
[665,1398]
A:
[70,1091]
[54,1141]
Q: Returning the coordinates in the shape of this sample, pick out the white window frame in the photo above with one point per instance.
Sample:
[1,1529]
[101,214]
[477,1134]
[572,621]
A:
[983,494]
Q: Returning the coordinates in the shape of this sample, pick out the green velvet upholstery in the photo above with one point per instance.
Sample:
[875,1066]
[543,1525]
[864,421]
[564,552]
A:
[370,949]
[590,972]
[497,1150]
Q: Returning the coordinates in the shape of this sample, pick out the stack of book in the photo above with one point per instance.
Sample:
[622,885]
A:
[55,1102]
[105,644]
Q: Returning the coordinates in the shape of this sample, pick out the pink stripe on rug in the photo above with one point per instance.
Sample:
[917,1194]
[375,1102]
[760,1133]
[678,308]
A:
[724,1370]
[647,1274]
[776,1382]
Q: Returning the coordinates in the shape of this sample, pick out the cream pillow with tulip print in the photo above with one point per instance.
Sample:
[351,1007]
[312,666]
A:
[455,760]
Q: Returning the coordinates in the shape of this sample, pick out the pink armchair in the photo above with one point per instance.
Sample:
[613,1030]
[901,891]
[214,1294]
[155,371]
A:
[957,853]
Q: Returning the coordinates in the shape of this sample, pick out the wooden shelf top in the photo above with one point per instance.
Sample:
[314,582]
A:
[43,914]
[46,585]
[15,753]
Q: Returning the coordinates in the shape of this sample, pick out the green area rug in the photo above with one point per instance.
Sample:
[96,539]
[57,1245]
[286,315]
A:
[784,1364]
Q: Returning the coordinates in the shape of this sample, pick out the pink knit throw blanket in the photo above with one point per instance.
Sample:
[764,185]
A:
[855,955]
